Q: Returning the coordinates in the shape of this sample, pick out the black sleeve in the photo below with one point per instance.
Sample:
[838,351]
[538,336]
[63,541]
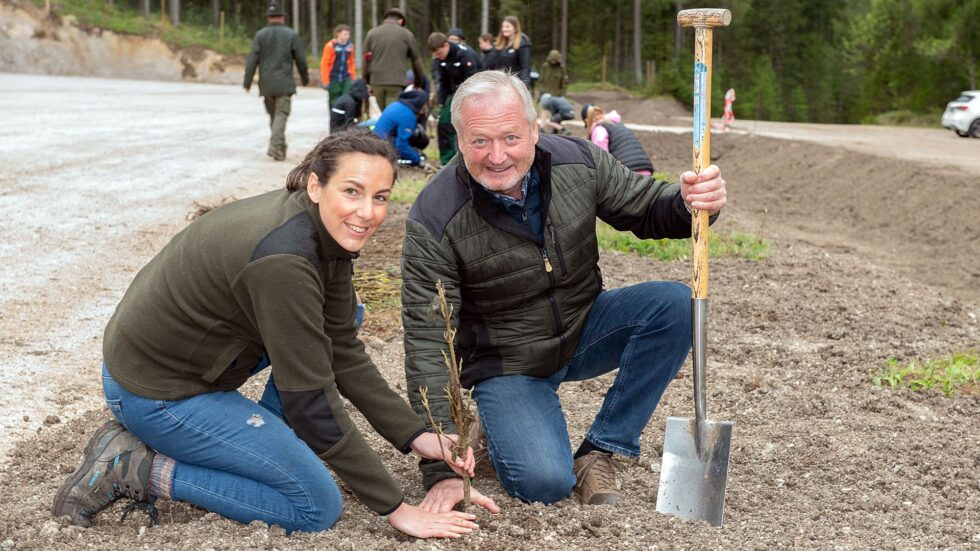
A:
[524,57]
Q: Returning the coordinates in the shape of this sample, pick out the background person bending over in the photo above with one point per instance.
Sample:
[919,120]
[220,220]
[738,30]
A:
[559,110]
[274,50]
[398,123]
[509,228]
[606,130]
[349,108]
[261,280]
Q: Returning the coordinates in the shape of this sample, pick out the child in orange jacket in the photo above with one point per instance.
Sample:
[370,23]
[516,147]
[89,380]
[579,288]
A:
[337,64]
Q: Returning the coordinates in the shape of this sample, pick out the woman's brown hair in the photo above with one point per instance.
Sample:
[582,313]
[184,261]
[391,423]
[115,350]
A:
[515,41]
[325,157]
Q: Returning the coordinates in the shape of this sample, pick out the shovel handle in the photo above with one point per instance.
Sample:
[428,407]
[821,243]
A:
[702,154]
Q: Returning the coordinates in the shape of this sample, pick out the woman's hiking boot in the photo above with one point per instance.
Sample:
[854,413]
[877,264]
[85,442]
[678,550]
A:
[115,464]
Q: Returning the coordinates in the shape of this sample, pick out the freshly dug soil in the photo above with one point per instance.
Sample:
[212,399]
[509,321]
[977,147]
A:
[867,261]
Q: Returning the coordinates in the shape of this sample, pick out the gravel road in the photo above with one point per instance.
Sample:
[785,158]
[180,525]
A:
[95,176]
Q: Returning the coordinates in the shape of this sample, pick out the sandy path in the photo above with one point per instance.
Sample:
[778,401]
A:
[95,175]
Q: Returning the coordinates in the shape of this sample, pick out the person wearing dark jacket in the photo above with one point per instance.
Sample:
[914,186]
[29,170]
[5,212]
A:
[274,50]
[262,281]
[348,108]
[389,49]
[606,130]
[509,228]
[456,64]
[512,52]
[399,121]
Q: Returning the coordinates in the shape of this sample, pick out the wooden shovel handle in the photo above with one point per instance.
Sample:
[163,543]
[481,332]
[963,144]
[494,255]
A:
[702,153]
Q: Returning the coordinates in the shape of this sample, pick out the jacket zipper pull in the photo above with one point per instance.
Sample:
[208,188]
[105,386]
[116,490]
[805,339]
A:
[547,263]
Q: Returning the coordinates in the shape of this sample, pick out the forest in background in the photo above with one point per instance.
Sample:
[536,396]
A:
[833,61]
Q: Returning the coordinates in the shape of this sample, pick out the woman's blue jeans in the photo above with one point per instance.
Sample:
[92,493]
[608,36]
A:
[643,330]
[233,456]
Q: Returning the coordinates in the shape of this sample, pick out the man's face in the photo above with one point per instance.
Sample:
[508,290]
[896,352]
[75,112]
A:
[441,52]
[454,39]
[497,143]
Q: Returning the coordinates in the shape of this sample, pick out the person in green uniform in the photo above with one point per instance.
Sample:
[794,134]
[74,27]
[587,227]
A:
[274,50]
[261,281]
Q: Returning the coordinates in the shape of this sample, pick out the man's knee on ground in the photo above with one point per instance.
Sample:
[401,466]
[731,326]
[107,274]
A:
[544,487]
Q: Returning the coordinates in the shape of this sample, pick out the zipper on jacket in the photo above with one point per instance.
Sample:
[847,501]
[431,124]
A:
[554,241]
[547,262]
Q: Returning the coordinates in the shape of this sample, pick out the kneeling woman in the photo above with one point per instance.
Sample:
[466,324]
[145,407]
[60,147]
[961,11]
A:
[264,280]
[607,131]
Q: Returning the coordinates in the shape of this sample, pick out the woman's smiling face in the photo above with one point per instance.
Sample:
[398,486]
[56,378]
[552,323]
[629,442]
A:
[354,201]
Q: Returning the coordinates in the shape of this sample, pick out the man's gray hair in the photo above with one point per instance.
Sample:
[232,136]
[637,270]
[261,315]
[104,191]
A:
[491,84]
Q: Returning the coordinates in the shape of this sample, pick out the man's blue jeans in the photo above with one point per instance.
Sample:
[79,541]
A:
[643,330]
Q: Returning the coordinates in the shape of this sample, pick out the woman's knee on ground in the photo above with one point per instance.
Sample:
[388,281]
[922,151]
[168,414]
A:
[322,512]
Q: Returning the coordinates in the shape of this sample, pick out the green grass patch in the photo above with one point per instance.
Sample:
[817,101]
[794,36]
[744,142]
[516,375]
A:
[117,18]
[739,244]
[955,373]
[407,189]
[907,118]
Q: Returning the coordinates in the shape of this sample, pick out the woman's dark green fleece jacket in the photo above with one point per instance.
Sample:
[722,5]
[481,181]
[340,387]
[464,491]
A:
[263,274]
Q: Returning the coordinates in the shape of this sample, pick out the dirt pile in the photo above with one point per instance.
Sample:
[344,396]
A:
[34,42]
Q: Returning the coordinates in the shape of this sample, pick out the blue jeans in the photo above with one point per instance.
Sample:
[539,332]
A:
[233,456]
[643,330]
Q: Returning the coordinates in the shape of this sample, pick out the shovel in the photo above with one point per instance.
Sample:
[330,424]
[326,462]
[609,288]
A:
[695,461]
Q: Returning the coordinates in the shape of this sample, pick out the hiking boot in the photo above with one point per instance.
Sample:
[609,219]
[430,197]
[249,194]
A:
[115,464]
[595,479]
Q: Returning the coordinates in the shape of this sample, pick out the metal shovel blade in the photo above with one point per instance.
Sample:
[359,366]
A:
[693,477]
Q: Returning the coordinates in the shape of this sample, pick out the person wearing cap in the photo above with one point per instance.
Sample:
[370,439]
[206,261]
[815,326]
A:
[389,49]
[337,64]
[607,131]
[456,36]
[275,49]
[398,123]
[456,64]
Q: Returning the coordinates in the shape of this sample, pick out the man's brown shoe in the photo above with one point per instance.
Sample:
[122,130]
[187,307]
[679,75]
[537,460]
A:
[595,479]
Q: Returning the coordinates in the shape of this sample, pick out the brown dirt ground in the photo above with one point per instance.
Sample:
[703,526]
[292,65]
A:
[867,262]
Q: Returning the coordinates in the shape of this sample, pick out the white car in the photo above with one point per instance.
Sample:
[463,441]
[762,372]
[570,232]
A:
[962,115]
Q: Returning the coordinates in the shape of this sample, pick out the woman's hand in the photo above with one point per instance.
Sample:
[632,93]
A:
[415,522]
[428,445]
